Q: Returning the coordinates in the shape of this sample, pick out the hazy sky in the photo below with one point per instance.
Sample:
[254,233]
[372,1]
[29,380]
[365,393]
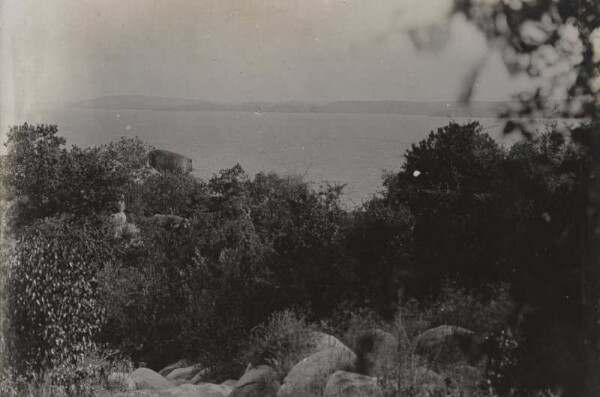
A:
[60,51]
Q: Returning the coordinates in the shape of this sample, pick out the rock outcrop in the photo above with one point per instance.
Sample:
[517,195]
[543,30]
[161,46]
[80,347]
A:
[179,364]
[379,353]
[164,160]
[321,341]
[183,375]
[309,376]
[145,378]
[204,390]
[259,381]
[121,228]
[446,346]
[348,384]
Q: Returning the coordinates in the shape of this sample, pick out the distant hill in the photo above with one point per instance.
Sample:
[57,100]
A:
[431,109]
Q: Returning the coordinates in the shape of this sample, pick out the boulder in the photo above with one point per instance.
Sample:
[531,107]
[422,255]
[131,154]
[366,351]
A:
[378,354]
[130,230]
[348,384]
[179,364]
[213,390]
[164,160]
[446,346]
[204,390]
[145,378]
[259,381]
[321,341]
[183,375]
[424,376]
[199,377]
[118,219]
[230,383]
[308,377]
[119,381]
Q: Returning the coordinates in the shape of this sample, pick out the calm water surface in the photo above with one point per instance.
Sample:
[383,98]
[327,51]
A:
[346,148]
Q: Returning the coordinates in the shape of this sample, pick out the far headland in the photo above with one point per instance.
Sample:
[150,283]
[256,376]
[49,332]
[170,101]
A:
[477,109]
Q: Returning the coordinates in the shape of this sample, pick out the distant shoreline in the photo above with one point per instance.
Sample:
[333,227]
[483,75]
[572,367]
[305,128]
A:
[479,109]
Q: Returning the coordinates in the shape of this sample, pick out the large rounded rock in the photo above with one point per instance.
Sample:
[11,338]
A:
[183,375]
[321,341]
[199,377]
[308,377]
[259,381]
[348,384]
[179,364]
[378,354]
[164,160]
[204,390]
[446,346]
[230,383]
[145,378]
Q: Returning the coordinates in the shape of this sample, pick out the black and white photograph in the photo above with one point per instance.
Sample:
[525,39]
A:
[300,198]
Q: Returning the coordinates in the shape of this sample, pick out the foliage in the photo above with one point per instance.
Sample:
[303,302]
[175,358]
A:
[556,42]
[550,40]
[87,377]
[45,179]
[30,170]
[143,292]
[170,193]
[280,342]
[377,248]
[462,231]
[452,184]
[54,294]
[302,229]
[483,313]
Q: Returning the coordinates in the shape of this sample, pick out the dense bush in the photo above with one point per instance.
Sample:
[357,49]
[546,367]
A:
[280,342]
[462,215]
[54,292]
[377,250]
[144,293]
[171,193]
[483,313]
[43,178]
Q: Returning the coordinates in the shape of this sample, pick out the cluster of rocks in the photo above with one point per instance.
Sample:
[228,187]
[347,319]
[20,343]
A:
[121,229]
[440,360]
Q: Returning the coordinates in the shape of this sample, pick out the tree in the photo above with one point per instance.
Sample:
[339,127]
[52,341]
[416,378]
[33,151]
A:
[378,250]
[556,41]
[44,179]
[567,31]
[452,183]
[31,170]
[547,194]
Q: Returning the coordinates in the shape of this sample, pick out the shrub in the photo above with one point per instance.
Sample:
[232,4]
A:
[483,312]
[45,179]
[280,342]
[144,294]
[85,377]
[54,294]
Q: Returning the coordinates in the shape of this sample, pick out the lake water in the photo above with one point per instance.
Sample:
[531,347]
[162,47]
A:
[345,148]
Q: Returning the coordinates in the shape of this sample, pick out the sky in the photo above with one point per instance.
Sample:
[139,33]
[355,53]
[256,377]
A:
[53,53]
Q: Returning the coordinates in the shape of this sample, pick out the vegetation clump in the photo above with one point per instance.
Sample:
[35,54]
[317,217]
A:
[467,234]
